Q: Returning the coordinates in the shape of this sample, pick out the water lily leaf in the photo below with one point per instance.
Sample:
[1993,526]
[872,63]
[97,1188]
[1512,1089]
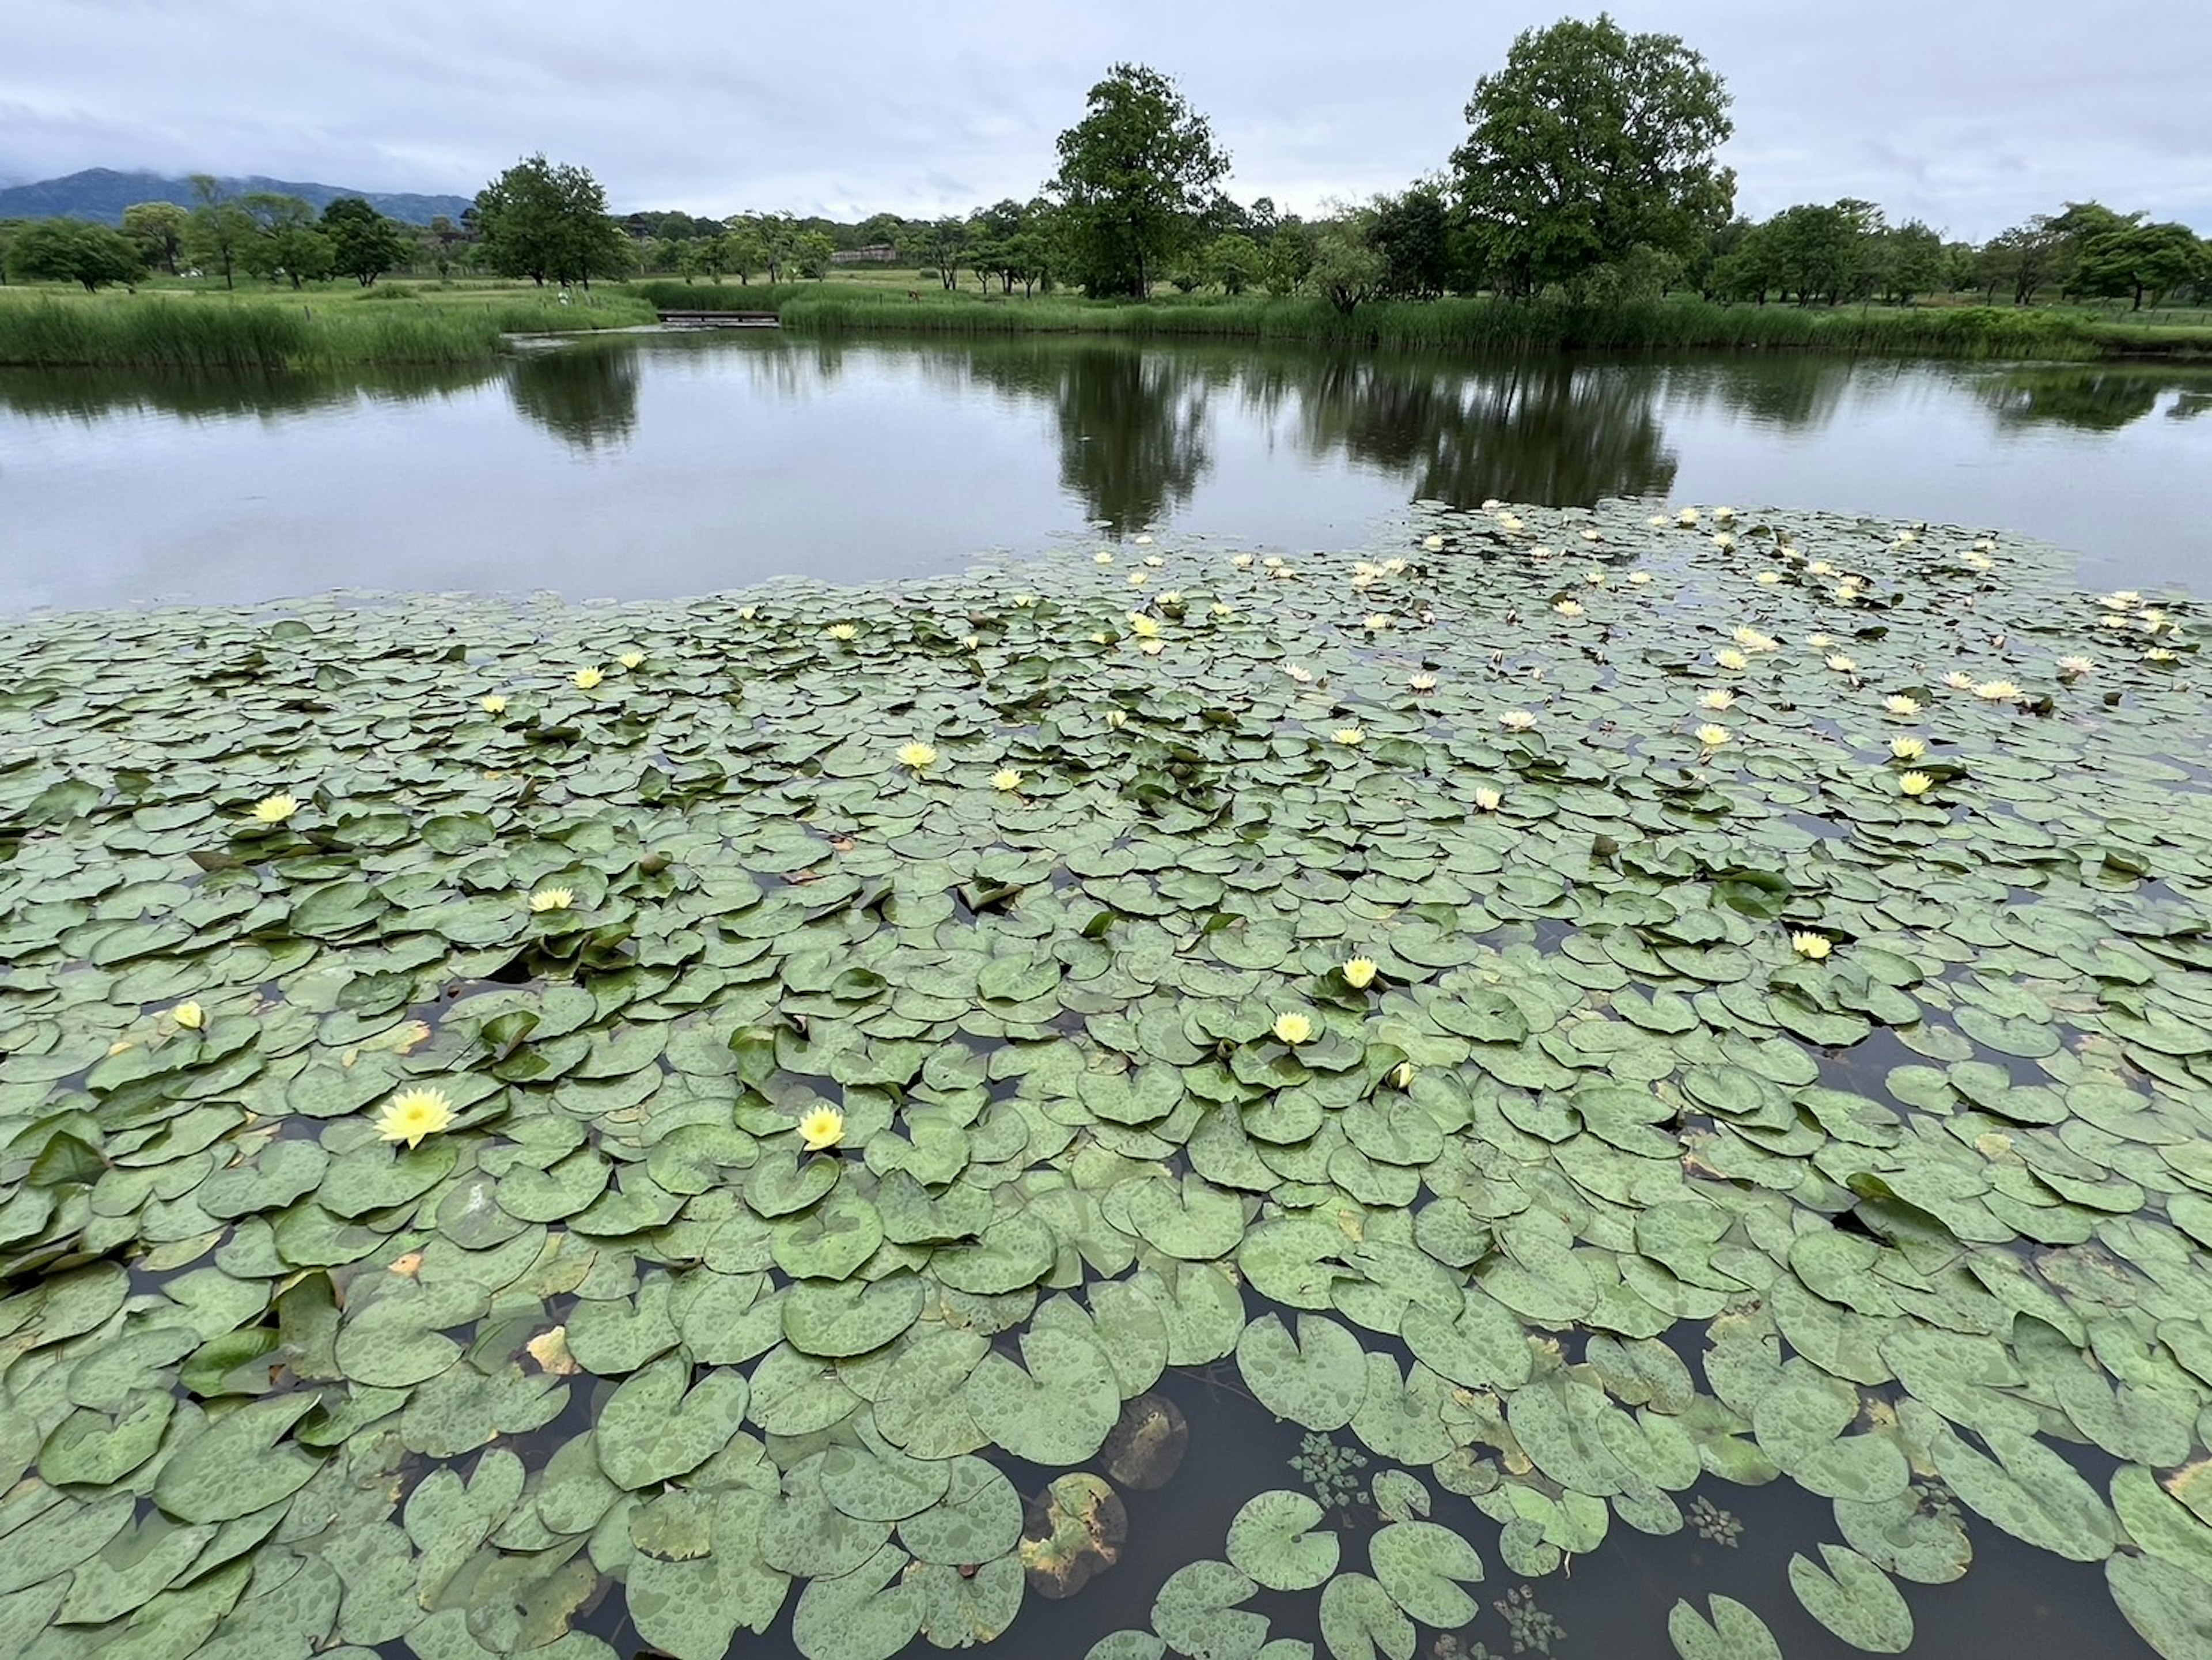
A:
[1735,1632]
[859,1615]
[238,1464]
[1854,1599]
[830,1240]
[613,1337]
[1420,1565]
[978,1518]
[92,1448]
[1359,1621]
[794,1394]
[129,1570]
[2164,1604]
[1058,1407]
[1318,1380]
[880,1483]
[1071,1532]
[961,1609]
[1272,1539]
[2028,1490]
[60,1537]
[692,1607]
[1483,1346]
[658,1425]
[1126,1645]
[1900,1534]
[447,1520]
[1196,1613]
[838,1320]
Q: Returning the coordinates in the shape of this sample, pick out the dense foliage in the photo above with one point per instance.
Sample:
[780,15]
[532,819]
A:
[548,221]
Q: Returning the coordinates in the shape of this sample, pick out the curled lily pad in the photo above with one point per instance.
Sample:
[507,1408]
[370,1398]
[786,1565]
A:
[1274,1540]
[1072,1533]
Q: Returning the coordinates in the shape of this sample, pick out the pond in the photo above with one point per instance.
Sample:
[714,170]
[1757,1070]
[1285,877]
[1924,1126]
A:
[654,467]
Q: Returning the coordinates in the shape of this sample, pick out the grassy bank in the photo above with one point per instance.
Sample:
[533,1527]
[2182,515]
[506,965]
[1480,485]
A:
[179,331]
[1486,325]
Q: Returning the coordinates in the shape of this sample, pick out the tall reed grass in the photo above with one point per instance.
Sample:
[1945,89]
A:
[1480,324]
[151,332]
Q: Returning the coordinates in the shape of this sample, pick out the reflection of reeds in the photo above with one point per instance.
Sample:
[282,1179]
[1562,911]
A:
[1488,324]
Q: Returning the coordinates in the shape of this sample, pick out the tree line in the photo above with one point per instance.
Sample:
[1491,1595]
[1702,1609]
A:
[1589,172]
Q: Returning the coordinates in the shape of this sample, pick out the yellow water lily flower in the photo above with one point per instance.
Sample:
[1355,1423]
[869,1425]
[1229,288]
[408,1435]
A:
[1730,658]
[547,899]
[1375,622]
[1102,558]
[1487,798]
[1171,598]
[1899,704]
[588,678]
[1658,520]
[1958,681]
[2124,600]
[1151,648]
[1359,973]
[1716,699]
[413,1113]
[1221,609]
[748,612]
[1511,521]
[1766,579]
[821,1129]
[1592,536]
[1818,641]
[1116,719]
[1687,516]
[1138,578]
[1997,691]
[1100,637]
[494,704]
[1292,1028]
[1433,544]
[1352,737]
[973,641]
[1723,514]
[843,631]
[1005,779]
[1752,640]
[1841,663]
[1568,607]
[1595,577]
[631,659]
[1024,601]
[1821,568]
[917,756]
[1710,736]
[191,1016]
[274,809]
[1240,561]
[1423,682]
[1640,577]
[1143,627]
[1299,673]
[1915,783]
[1518,720]
[1154,561]
[2112,620]
[2071,667]
[1908,747]
[1814,947]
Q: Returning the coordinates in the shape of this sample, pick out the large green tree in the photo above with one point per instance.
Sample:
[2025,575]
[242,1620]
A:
[216,229]
[72,250]
[2142,260]
[548,221]
[1136,175]
[1589,142]
[286,241]
[364,244]
[158,228]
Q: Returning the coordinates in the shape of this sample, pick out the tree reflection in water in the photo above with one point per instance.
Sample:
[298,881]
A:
[90,396]
[585,392]
[2087,399]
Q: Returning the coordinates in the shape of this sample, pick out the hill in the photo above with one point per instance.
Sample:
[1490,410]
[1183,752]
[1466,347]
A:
[102,194]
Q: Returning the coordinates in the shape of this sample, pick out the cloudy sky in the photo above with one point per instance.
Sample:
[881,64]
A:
[1968,114]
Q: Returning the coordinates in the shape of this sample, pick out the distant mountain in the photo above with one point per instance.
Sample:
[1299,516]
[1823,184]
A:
[101,193]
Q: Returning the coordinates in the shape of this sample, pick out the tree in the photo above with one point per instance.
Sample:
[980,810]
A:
[364,244]
[742,251]
[548,221]
[811,249]
[942,246]
[1134,176]
[72,250]
[215,229]
[2140,260]
[1590,141]
[1413,233]
[1347,268]
[1908,259]
[1236,262]
[286,241]
[158,228]
[1290,257]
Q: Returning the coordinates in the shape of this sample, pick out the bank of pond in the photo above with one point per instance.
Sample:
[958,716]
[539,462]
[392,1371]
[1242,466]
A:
[417,326]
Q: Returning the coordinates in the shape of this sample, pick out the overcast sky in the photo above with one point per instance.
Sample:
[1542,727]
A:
[1969,114]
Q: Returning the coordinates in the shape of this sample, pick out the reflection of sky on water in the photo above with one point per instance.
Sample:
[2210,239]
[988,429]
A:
[672,466]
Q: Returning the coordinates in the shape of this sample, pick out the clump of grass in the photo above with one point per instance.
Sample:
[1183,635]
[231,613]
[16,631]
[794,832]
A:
[672,293]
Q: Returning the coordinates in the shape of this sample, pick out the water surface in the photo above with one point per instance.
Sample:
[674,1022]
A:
[661,467]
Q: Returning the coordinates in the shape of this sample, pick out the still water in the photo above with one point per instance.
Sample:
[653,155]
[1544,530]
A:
[657,466]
